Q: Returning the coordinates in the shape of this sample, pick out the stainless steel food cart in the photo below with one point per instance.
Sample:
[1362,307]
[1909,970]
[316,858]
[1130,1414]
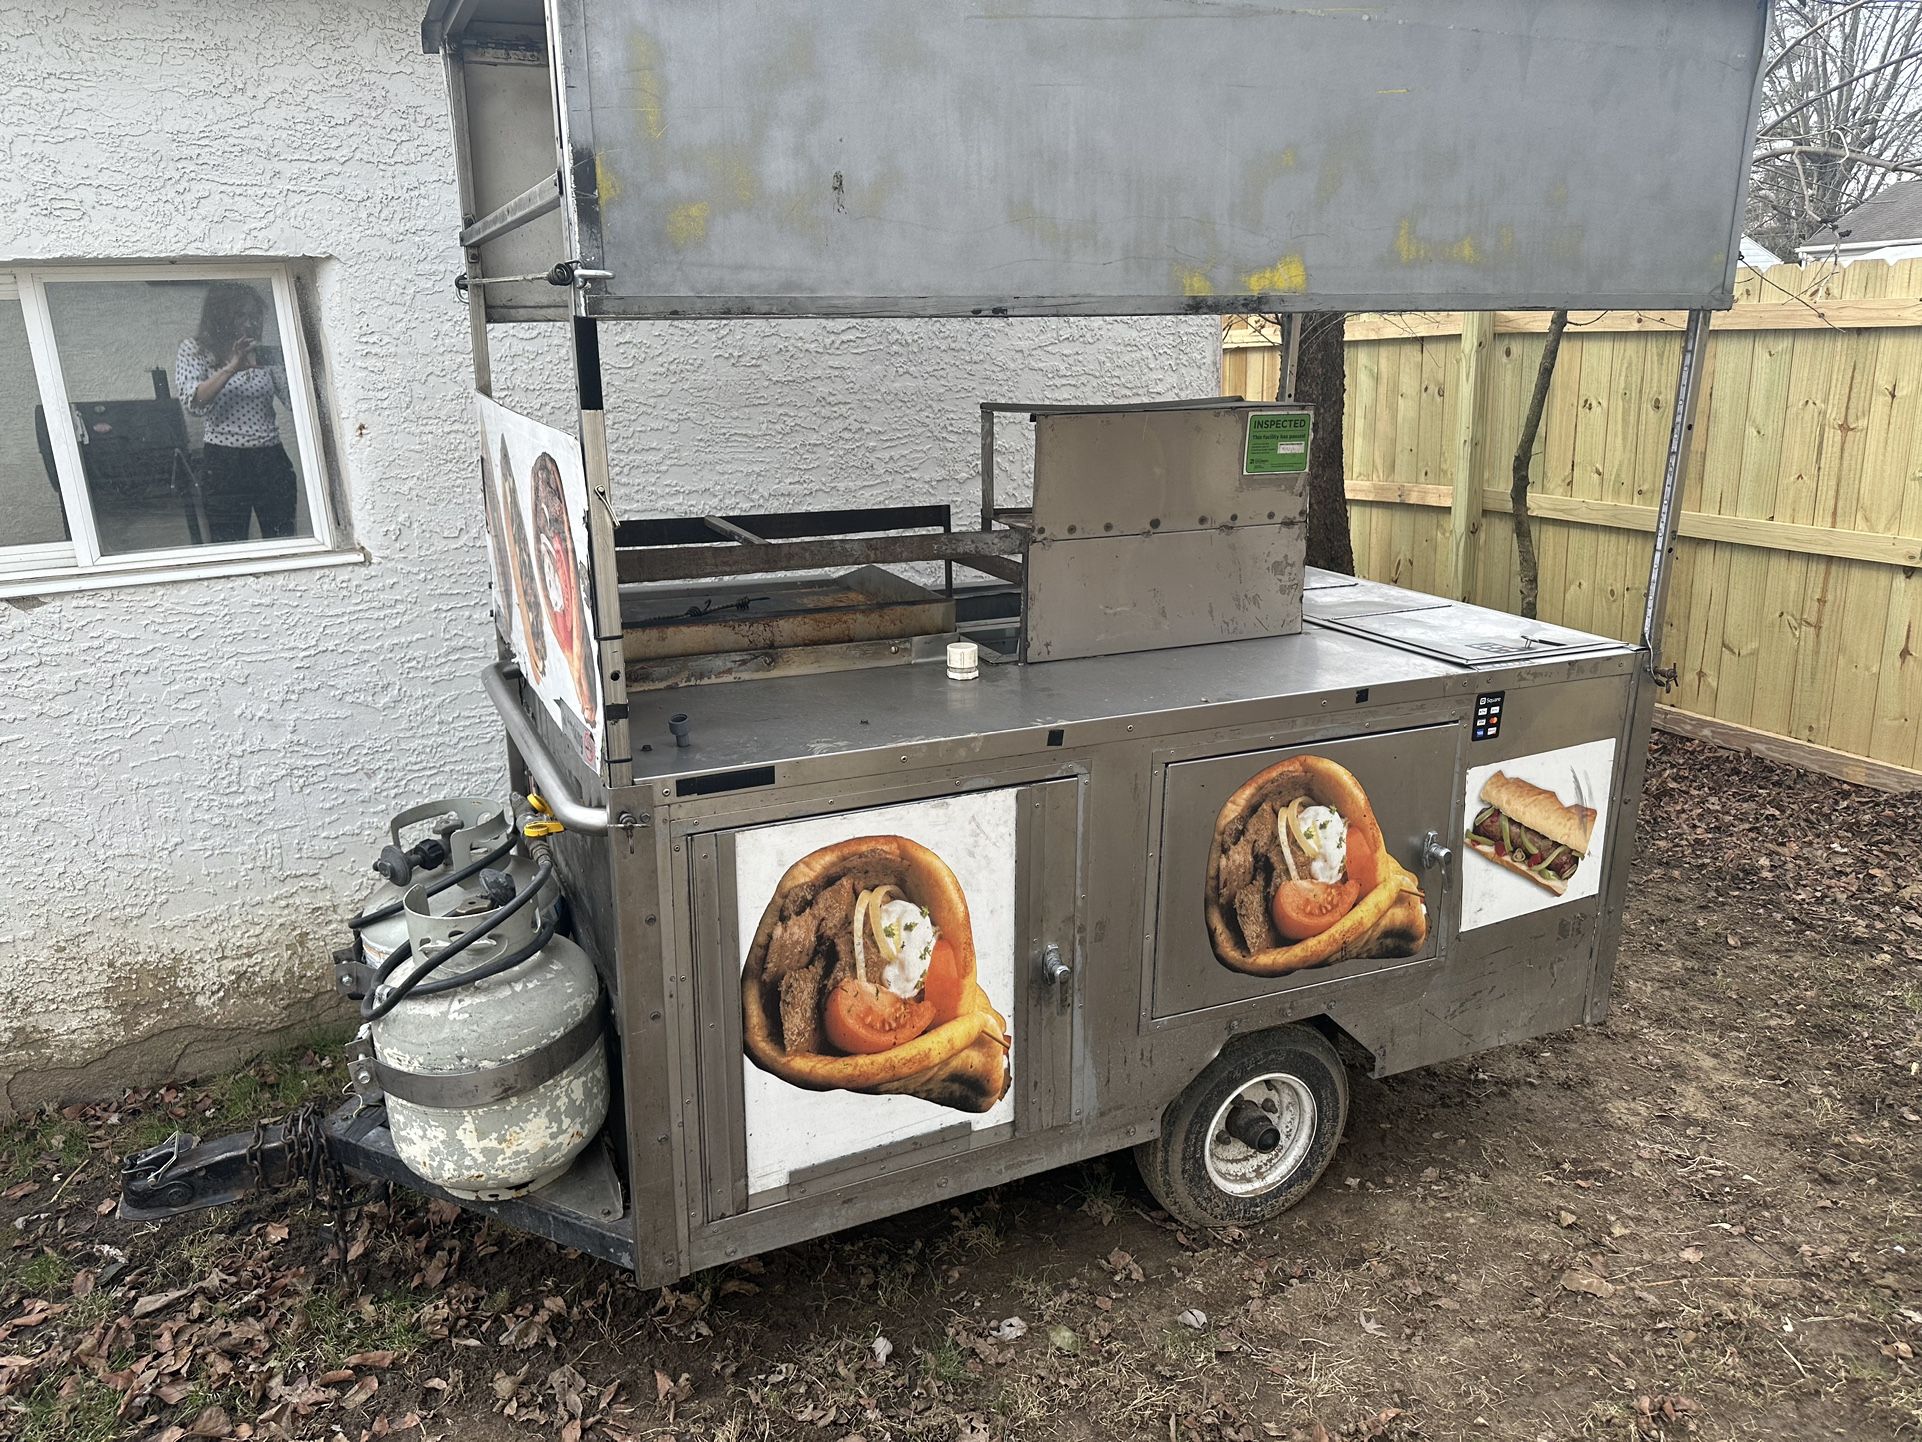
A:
[1135,693]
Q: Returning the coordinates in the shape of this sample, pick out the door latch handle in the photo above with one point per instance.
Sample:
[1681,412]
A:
[1434,855]
[1054,967]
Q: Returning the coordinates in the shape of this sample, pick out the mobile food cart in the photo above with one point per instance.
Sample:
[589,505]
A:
[875,854]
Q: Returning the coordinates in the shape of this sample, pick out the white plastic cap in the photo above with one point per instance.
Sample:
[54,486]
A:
[964,660]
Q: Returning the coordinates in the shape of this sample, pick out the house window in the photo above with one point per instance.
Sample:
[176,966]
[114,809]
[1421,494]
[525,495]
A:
[155,422]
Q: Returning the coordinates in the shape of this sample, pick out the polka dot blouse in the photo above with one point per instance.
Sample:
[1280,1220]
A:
[242,414]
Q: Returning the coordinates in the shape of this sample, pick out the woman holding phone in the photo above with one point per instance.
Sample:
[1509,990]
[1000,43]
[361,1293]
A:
[223,378]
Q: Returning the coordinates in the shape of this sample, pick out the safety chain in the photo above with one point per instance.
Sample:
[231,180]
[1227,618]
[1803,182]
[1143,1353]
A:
[309,1160]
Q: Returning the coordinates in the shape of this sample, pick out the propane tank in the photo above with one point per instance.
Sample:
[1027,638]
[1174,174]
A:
[493,1088]
[466,828]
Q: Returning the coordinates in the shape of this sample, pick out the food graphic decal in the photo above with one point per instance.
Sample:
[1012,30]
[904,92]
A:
[520,555]
[1531,830]
[535,494]
[563,594]
[861,978]
[497,543]
[1535,823]
[1299,875]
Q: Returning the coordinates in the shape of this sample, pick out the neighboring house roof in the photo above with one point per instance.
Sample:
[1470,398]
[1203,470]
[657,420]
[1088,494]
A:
[1757,256]
[1893,213]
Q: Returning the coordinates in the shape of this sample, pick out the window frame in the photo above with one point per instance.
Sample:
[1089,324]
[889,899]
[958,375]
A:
[77,564]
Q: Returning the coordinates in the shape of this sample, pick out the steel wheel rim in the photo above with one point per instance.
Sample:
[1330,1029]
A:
[1237,1168]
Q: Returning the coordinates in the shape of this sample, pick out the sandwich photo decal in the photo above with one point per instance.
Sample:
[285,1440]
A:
[1299,875]
[877,977]
[1531,831]
[1535,831]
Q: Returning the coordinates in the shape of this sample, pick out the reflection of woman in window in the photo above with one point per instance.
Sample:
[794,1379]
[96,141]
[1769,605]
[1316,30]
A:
[245,475]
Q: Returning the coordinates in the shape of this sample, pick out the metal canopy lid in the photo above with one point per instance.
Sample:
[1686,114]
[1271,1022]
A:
[968,157]
[446,19]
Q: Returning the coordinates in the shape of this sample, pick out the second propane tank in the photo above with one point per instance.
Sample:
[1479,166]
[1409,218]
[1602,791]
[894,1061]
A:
[494,1084]
[461,830]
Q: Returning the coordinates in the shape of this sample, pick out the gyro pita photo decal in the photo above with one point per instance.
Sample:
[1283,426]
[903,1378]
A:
[534,491]
[879,974]
[1299,875]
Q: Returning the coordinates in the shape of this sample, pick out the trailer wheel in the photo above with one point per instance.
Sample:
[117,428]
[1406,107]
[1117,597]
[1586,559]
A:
[1249,1136]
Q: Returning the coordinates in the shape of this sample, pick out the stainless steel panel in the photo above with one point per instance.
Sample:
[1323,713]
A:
[1328,597]
[1317,579]
[1502,984]
[717,1001]
[1047,915]
[949,157]
[1113,594]
[643,881]
[1328,604]
[857,722]
[511,129]
[1466,635]
[1130,471]
[1623,829]
[1410,778]
[1535,973]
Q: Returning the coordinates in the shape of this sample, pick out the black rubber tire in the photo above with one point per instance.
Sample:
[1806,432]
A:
[1172,1164]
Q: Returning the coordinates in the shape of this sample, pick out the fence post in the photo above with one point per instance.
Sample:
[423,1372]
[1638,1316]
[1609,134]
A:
[1465,510]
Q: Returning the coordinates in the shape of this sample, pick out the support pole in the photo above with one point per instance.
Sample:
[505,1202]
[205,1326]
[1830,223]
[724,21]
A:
[1290,355]
[1465,508]
[1668,515]
[987,468]
[470,254]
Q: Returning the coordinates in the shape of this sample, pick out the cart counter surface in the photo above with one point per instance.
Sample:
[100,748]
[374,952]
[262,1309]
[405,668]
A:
[1423,649]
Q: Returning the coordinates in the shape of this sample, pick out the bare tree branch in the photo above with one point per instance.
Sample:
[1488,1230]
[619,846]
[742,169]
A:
[1809,34]
[1528,571]
[1844,84]
[1841,102]
[1912,167]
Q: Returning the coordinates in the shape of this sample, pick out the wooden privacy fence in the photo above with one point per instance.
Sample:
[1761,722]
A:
[1795,607]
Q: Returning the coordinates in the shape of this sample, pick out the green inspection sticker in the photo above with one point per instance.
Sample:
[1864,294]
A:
[1277,443]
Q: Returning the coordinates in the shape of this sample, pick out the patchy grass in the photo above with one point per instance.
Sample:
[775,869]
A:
[51,1142]
[945,1363]
[38,1143]
[335,1325]
[44,1274]
[89,1412]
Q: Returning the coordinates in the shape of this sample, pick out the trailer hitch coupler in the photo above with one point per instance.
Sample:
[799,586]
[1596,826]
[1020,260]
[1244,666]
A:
[1250,1125]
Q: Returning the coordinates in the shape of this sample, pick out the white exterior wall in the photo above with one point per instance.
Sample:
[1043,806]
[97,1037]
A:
[1888,250]
[193,774]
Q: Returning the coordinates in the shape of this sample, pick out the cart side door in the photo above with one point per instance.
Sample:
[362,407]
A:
[1203,957]
[781,1131]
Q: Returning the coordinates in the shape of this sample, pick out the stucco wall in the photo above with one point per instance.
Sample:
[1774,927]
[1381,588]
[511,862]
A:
[192,773]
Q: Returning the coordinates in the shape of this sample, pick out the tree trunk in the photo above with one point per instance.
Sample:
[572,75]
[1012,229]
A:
[1321,380]
[1518,476]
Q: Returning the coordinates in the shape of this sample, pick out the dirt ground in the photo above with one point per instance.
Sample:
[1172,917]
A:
[1701,1219]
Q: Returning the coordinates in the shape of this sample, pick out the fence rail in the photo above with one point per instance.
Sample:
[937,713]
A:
[1795,608]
